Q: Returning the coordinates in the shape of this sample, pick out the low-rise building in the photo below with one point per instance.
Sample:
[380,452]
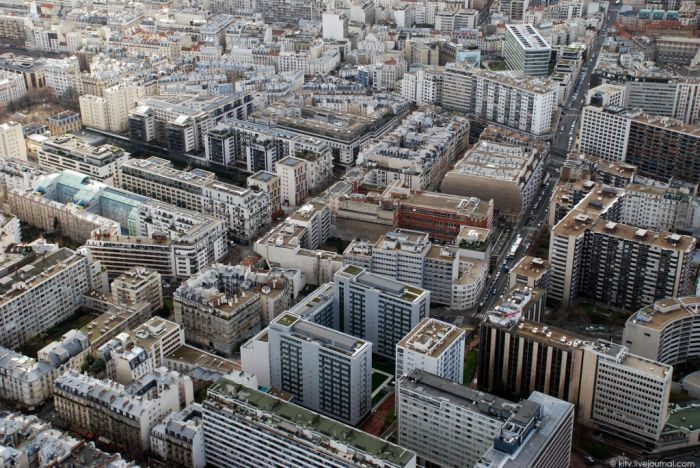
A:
[29,442]
[24,380]
[508,173]
[217,311]
[532,272]
[370,214]
[74,153]
[137,285]
[179,439]
[125,415]
[64,122]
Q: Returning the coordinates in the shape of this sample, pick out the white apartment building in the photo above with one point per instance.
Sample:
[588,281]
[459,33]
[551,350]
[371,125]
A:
[423,86]
[293,176]
[120,99]
[334,25]
[136,285]
[40,291]
[409,257]
[605,132]
[435,347]
[24,380]
[667,330]
[179,439]
[125,415]
[327,371]
[662,208]
[269,183]
[246,212]
[631,395]
[526,51]
[377,309]
[93,111]
[12,142]
[246,427]
[447,423]
[159,337]
[606,95]
[71,152]
[12,87]
[521,102]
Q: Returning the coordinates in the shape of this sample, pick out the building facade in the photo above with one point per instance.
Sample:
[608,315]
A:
[377,309]
[327,371]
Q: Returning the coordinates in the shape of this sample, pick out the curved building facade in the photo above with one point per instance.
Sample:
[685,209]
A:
[667,330]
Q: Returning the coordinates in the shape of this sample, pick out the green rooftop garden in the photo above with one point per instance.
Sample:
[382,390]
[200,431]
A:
[287,319]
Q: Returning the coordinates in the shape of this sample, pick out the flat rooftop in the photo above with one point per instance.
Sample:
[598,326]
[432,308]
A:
[432,337]
[528,37]
[41,268]
[197,358]
[469,206]
[289,420]
[661,313]
[425,383]
[684,417]
[531,267]
[647,366]
[325,337]
[497,160]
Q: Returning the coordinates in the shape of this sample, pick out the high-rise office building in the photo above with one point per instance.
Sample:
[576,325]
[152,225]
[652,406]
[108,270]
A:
[667,330]
[525,50]
[614,390]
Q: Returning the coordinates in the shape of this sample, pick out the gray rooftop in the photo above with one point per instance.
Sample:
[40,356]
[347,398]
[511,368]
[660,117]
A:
[436,387]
